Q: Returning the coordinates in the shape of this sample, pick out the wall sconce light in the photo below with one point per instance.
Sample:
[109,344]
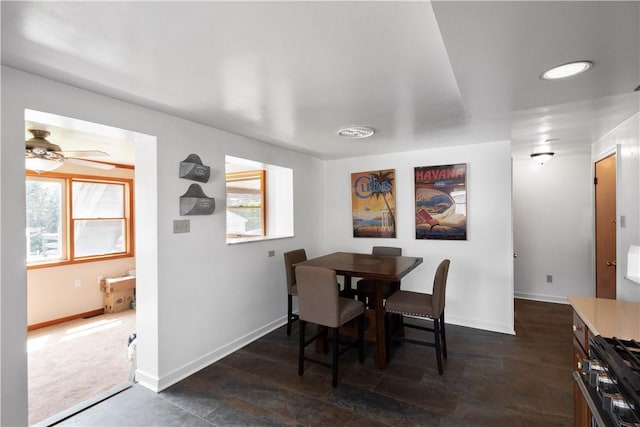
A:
[542,157]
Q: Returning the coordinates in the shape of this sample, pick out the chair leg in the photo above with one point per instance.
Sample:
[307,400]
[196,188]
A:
[387,336]
[361,338]
[444,336]
[289,313]
[362,299]
[303,325]
[436,332]
[336,344]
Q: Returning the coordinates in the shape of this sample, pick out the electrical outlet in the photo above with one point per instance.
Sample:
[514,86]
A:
[181,226]
[272,253]
[623,221]
[77,283]
[549,278]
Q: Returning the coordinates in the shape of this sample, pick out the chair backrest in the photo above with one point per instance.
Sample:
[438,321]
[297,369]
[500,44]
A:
[290,258]
[318,296]
[386,251]
[439,287]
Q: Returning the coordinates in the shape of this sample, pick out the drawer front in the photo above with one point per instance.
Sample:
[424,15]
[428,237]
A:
[578,356]
[581,332]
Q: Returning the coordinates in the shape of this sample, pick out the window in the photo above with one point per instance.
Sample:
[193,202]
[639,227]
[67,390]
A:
[259,200]
[245,204]
[98,212]
[44,219]
[72,219]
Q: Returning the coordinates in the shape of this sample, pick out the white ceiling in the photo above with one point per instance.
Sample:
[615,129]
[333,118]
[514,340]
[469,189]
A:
[422,74]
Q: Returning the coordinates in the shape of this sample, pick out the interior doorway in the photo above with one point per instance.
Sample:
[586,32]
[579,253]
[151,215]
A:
[605,226]
[76,354]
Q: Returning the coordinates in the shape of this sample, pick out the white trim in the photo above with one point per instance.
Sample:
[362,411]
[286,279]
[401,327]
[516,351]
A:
[503,328]
[606,153]
[159,384]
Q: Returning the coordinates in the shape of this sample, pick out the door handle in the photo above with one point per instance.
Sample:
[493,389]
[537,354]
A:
[611,263]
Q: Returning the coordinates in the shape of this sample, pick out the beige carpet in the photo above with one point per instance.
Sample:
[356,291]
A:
[74,361]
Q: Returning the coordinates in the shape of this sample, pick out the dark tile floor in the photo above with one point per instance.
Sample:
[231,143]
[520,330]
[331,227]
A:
[490,379]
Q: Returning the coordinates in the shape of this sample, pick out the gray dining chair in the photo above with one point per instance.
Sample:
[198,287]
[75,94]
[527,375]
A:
[319,302]
[365,288]
[429,306]
[291,258]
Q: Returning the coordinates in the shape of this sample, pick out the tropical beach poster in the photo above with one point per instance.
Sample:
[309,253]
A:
[441,202]
[373,203]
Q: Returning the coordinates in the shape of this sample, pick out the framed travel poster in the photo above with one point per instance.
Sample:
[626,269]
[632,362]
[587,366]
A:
[441,202]
[373,203]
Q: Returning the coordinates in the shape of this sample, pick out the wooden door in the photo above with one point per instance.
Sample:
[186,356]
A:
[605,203]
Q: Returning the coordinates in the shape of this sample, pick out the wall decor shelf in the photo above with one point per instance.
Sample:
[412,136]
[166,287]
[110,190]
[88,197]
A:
[196,202]
[193,169]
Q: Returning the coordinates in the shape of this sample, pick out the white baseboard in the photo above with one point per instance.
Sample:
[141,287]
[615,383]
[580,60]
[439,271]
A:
[190,368]
[502,328]
[541,297]
[148,381]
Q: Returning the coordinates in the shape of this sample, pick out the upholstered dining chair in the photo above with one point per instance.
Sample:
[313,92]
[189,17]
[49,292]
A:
[429,306]
[319,302]
[365,288]
[291,258]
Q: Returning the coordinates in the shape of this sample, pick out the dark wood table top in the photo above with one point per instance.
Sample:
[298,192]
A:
[389,268]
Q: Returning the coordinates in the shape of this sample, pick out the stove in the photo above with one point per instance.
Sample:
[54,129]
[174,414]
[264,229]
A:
[611,382]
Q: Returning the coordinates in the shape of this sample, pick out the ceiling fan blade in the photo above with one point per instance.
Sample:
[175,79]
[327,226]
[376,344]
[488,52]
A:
[84,153]
[89,163]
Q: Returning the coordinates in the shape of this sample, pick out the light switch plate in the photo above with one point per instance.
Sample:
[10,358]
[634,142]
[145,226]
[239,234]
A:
[181,225]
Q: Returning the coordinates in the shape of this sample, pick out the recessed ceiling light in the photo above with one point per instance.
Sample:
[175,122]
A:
[566,70]
[356,132]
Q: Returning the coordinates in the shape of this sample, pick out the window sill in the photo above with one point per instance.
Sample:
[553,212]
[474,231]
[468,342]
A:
[239,240]
[634,279]
[59,263]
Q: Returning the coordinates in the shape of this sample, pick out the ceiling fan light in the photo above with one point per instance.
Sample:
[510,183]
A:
[542,158]
[566,70]
[42,164]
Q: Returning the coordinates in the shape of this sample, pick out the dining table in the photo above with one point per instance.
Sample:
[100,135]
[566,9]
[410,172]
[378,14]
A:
[380,269]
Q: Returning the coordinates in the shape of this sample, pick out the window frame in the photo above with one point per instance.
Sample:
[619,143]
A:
[67,222]
[260,175]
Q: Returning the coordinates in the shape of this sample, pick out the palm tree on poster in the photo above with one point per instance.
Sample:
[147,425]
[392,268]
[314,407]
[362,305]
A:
[384,187]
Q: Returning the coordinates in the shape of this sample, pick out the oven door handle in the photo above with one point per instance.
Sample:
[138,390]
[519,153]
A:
[594,408]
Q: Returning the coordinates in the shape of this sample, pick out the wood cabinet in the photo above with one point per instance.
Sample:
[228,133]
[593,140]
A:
[581,337]
[598,316]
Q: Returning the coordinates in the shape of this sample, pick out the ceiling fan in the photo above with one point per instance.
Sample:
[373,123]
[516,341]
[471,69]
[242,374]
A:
[43,156]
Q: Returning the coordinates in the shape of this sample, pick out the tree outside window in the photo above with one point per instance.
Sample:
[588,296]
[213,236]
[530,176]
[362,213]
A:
[44,218]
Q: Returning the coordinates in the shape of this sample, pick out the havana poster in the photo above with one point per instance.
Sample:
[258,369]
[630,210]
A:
[441,202]
[373,203]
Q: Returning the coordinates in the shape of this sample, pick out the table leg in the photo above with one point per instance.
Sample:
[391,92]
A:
[381,353]
[347,282]
[348,292]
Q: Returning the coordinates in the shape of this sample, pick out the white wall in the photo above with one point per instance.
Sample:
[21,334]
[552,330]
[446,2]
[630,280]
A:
[553,228]
[199,299]
[627,137]
[52,292]
[480,285]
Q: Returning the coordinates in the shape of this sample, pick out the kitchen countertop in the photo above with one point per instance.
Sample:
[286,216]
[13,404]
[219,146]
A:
[609,318]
